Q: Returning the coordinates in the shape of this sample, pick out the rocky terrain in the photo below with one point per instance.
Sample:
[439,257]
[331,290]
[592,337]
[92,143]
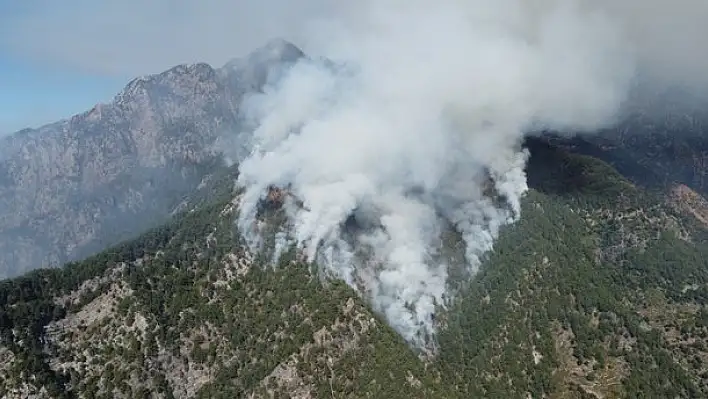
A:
[74,187]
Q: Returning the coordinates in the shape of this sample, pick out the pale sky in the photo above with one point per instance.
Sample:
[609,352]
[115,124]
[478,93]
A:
[58,58]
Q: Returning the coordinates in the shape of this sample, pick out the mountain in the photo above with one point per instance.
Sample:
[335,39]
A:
[71,188]
[600,290]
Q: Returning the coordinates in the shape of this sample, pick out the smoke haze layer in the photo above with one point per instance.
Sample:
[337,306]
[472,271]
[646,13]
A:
[420,131]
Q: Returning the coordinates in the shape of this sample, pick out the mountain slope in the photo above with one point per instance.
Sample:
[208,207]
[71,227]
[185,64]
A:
[586,296]
[74,187]
[184,311]
[599,291]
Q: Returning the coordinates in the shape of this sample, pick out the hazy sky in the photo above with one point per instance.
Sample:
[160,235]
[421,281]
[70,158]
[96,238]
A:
[58,58]
[32,94]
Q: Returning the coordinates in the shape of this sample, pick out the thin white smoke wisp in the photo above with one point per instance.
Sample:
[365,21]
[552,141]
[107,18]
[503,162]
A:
[423,132]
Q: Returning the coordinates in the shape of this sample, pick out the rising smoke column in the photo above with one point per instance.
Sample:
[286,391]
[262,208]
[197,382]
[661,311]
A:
[422,130]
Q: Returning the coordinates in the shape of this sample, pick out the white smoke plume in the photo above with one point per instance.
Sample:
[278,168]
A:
[420,130]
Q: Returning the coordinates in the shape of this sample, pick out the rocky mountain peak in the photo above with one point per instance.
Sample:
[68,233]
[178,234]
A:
[261,65]
[179,79]
[73,187]
[275,51]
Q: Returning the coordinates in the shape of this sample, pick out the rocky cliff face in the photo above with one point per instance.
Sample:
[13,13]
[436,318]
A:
[74,187]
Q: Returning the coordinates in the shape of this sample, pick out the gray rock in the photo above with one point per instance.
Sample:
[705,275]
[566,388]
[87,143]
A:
[74,187]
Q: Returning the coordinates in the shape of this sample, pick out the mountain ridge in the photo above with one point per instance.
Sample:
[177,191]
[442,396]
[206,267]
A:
[155,139]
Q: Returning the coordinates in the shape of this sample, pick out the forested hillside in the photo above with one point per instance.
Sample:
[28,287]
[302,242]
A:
[599,291]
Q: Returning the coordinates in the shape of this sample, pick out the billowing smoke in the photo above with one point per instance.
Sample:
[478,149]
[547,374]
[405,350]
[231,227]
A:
[415,128]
